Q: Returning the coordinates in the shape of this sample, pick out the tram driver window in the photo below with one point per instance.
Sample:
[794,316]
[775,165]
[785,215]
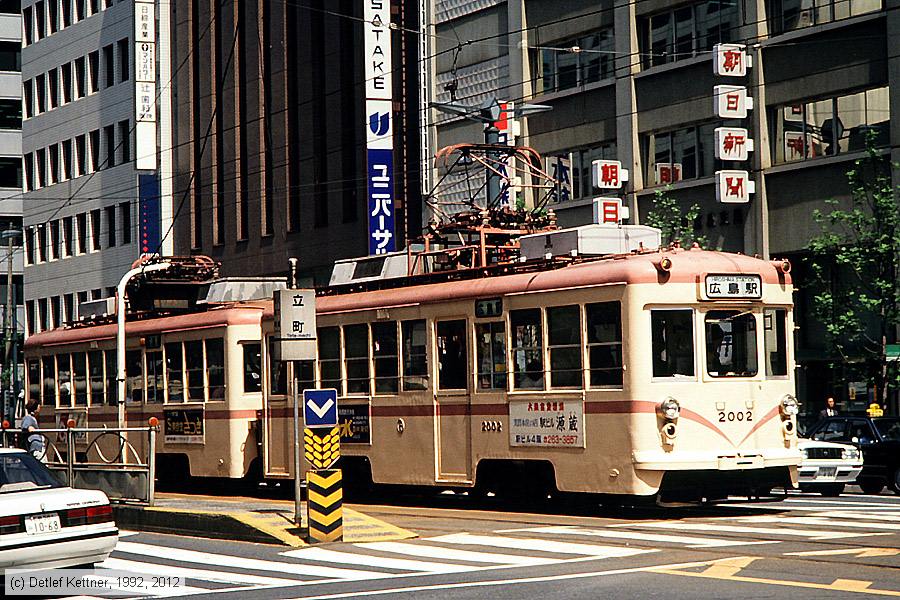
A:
[731,343]
[527,351]
[252,368]
[490,340]
[775,328]
[215,368]
[451,354]
[673,343]
[415,371]
[604,340]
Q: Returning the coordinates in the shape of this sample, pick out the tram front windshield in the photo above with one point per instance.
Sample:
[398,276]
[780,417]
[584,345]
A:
[731,343]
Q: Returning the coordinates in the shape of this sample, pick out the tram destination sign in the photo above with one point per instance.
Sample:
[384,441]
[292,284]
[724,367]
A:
[295,323]
[727,287]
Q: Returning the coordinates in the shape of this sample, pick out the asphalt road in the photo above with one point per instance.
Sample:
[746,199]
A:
[806,546]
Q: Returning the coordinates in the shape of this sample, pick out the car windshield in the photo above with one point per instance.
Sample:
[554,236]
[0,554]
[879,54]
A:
[21,471]
[889,428]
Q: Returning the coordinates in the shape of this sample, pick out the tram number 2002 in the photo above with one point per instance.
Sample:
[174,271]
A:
[492,425]
[741,415]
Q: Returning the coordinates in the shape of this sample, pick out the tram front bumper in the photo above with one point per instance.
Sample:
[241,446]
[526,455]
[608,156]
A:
[687,460]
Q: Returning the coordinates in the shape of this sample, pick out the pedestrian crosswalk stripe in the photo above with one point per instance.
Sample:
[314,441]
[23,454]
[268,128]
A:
[120,564]
[861,516]
[807,533]
[224,560]
[691,542]
[830,522]
[332,556]
[428,551]
[539,545]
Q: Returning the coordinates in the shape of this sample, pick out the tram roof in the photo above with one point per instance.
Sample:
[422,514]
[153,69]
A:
[687,266]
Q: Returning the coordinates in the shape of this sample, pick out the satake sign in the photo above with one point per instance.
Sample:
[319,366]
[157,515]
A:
[295,323]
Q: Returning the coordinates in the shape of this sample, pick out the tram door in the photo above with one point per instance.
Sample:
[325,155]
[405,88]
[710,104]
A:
[452,402]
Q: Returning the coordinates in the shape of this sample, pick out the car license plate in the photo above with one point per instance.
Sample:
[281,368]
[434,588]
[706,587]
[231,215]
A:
[827,471]
[42,524]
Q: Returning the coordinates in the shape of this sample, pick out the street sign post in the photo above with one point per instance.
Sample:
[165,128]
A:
[295,323]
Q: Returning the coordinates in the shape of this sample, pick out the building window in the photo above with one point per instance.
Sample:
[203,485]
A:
[28,98]
[28,24]
[10,172]
[787,15]
[125,215]
[95,230]
[681,33]
[111,226]
[109,66]
[66,13]
[80,10]
[94,71]
[813,129]
[29,245]
[10,56]
[54,240]
[68,237]
[81,155]
[40,20]
[79,77]
[43,318]
[125,141]
[28,162]
[95,6]
[29,316]
[40,91]
[66,70]
[561,69]
[10,7]
[40,157]
[687,153]
[123,59]
[67,159]
[42,242]
[81,229]
[10,114]
[109,135]
[53,85]
[94,142]
[53,15]
[53,154]
[580,169]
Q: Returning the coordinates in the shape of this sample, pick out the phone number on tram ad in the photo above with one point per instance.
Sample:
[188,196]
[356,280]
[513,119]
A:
[555,424]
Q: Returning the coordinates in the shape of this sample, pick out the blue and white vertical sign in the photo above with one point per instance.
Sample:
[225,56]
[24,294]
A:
[149,207]
[145,84]
[379,126]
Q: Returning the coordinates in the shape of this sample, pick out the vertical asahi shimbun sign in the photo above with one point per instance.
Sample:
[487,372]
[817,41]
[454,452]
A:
[145,84]
[379,125]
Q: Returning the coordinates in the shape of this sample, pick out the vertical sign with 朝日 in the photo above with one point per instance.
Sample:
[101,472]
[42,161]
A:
[732,143]
[322,446]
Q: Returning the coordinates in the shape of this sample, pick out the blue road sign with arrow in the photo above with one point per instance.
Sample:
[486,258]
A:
[320,408]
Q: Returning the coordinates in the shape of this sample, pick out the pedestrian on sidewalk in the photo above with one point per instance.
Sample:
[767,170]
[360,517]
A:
[829,410]
[35,441]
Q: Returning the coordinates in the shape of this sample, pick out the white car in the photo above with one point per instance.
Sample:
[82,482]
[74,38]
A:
[828,466]
[45,525]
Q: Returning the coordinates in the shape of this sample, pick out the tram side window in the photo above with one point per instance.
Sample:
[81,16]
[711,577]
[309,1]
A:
[64,377]
[49,380]
[34,380]
[673,342]
[155,383]
[95,377]
[491,347]
[528,356]
[415,369]
[215,368]
[451,355]
[731,343]
[79,378]
[134,376]
[775,327]
[112,388]
[384,352]
[356,358]
[252,367]
[175,371]
[564,341]
[330,357]
[277,372]
[193,370]
[604,341]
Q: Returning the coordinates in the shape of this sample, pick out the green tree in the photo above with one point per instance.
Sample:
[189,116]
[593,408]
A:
[676,224]
[855,264]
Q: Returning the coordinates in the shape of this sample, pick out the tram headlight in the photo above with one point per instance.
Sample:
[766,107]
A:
[670,409]
[789,406]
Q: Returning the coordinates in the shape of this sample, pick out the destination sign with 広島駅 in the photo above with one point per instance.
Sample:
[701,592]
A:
[748,287]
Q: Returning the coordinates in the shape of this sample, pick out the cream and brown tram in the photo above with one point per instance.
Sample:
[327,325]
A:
[664,374]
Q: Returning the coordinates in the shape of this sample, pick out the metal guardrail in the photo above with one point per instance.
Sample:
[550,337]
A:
[119,461]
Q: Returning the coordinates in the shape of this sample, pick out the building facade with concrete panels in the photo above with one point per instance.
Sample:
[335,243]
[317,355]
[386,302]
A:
[640,90]
[80,146]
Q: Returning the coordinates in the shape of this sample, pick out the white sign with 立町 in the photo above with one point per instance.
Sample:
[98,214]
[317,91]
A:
[295,322]
[552,424]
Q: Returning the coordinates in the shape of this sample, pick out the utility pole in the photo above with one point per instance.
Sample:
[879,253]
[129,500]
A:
[7,338]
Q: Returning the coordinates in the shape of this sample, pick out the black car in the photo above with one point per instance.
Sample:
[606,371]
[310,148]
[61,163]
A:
[879,440]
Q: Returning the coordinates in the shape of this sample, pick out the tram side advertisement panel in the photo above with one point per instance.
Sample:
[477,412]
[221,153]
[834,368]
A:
[184,426]
[547,424]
